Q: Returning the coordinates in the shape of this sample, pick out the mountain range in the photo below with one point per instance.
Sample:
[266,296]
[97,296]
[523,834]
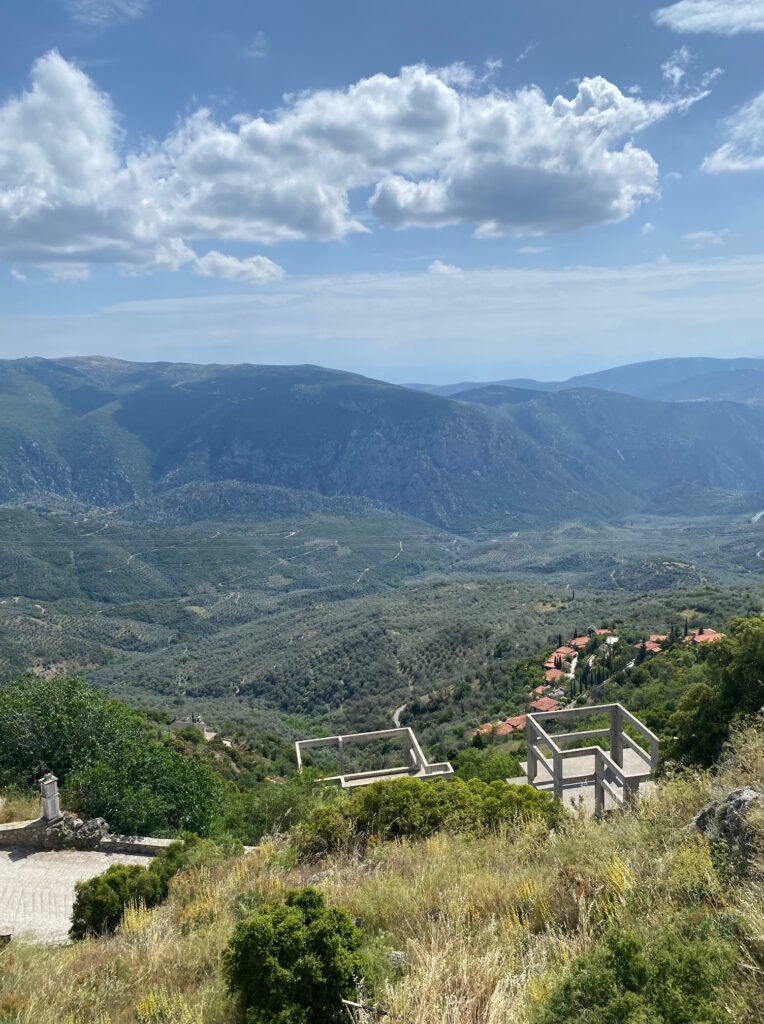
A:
[110,433]
[668,380]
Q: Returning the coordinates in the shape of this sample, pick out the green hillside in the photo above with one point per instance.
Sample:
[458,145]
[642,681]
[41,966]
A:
[106,433]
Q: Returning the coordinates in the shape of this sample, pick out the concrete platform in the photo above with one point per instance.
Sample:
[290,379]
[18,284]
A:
[581,796]
[37,888]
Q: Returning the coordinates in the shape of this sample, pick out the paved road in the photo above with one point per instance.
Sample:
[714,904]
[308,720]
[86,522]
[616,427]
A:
[397,716]
[37,889]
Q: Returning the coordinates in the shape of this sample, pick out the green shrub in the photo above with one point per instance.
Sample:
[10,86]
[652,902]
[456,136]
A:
[109,761]
[678,977]
[489,765]
[418,808]
[100,902]
[292,962]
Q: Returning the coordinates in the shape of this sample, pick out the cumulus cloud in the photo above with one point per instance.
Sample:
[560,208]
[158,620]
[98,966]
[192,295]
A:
[743,149]
[518,165]
[721,17]
[252,270]
[18,276]
[100,13]
[430,146]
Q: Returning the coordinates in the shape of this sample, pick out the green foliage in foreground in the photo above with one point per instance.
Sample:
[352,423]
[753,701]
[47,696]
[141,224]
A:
[418,808]
[675,978]
[100,902]
[735,687]
[108,760]
[294,961]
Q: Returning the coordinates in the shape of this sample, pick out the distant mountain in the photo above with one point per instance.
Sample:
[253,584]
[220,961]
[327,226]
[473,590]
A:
[669,380]
[168,440]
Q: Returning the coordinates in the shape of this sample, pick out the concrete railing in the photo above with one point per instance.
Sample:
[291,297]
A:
[608,771]
[416,762]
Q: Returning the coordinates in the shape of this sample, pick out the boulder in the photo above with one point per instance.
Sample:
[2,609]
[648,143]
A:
[725,821]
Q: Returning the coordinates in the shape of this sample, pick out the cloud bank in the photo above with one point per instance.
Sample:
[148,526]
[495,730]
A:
[425,147]
[413,326]
[720,17]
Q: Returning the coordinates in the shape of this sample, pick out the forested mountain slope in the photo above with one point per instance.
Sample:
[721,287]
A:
[108,433]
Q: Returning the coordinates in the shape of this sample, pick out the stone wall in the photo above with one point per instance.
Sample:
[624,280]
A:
[39,835]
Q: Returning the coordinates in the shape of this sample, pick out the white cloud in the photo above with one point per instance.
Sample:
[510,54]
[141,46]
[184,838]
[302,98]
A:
[647,229]
[721,17]
[533,250]
[442,269]
[258,47]
[548,322]
[675,68]
[100,13]
[18,276]
[701,239]
[252,270]
[744,148]
[434,147]
[67,273]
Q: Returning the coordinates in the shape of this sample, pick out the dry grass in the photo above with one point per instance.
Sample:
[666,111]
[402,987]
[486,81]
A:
[19,807]
[486,926]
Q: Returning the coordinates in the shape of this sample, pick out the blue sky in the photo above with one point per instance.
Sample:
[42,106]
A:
[429,189]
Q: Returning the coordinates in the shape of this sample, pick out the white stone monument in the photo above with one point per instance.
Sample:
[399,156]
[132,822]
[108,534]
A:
[51,808]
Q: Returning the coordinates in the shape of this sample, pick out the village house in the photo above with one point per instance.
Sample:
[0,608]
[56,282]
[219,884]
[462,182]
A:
[544,704]
[554,675]
[705,636]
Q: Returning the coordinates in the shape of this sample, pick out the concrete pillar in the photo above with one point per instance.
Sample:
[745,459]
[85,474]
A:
[51,808]
[341,744]
[531,754]
[616,729]
[559,778]
[599,791]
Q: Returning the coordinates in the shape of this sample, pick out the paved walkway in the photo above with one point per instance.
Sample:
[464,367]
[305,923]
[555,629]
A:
[37,888]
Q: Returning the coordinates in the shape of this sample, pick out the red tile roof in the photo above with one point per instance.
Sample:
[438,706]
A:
[554,675]
[545,704]
[564,651]
[517,722]
[708,636]
[658,638]
[580,641]
[504,729]
[540,690]
[602,632]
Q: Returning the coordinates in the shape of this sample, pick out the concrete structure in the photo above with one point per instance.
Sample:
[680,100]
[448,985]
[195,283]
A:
[51,807]
[602,777]
[416,765]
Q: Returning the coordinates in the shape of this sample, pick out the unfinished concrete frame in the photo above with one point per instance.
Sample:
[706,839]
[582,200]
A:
[608,775]
[417,765]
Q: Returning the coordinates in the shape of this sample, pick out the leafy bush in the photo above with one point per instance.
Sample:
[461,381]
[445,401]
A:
[489,765]
[100,902]
[735,666]
[109,762]
[418,808]
[678,978]
[292,962]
